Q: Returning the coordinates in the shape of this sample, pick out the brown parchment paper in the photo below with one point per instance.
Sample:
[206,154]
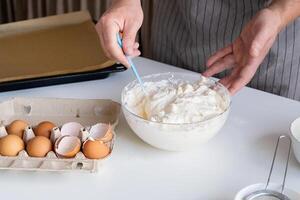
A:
[50,46]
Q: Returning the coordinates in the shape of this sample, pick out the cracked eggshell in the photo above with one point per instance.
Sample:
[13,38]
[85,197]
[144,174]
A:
[11,145]
[67,146]
[44,129]
[38,146]
[17,127]
[101,132]
[71,128]
[95,149]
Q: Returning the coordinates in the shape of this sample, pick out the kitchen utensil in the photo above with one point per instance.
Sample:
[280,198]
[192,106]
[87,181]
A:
[132,66]
[268,193]
[52,50]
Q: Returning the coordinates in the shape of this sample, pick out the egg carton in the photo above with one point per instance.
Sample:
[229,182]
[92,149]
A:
[50,163]
[34,110]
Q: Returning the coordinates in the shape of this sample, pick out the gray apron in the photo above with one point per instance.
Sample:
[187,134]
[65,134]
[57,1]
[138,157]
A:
[185,33]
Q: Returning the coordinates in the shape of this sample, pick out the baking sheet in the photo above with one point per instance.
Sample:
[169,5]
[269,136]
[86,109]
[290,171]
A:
[61,79]
[50,46]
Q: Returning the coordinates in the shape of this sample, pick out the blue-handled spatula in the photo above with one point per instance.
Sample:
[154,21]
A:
[132,66]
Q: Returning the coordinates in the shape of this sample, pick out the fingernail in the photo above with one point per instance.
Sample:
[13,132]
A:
[205,74]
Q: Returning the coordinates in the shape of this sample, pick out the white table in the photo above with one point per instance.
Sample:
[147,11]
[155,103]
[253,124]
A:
[238,156]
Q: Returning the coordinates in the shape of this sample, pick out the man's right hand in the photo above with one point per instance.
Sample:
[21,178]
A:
[125,16]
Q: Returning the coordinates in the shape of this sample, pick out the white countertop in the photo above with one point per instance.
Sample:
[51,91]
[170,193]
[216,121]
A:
[238,156]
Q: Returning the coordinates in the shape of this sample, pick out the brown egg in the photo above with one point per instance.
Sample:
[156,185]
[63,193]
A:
[11,145]
[95,149]
[38,146]
[44,129]
[67,146]
[17,127]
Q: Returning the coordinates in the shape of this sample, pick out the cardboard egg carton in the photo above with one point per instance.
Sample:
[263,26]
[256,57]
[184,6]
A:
[59,111]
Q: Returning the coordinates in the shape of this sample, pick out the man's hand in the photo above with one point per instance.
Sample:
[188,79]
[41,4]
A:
[125,16]
[247,52]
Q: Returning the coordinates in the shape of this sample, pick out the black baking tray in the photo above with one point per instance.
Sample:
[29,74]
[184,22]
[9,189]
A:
[61,79]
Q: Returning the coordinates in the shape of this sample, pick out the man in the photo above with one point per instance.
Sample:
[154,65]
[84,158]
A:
[253,38]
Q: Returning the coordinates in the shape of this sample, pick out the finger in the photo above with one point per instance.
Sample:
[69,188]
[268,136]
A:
[238,47]
[242,78]
[129,34]
[226,81]
[260,40]
[237,84]
[107,54]
[100,34]
[110,42]
[135,53]
[219,54]
[220,65]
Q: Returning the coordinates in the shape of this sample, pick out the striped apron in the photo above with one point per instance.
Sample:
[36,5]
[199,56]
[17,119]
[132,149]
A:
[185,33]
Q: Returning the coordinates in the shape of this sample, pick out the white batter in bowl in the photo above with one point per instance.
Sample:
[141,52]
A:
[180,111]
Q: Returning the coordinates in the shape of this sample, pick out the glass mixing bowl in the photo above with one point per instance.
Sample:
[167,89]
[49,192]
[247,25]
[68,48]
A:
[171,136]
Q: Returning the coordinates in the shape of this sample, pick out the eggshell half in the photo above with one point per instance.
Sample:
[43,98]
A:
[44,129]
[71,128]
[67,146]
[17,127]
[101,132]
[11,145]
[95,149]
[38,146]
